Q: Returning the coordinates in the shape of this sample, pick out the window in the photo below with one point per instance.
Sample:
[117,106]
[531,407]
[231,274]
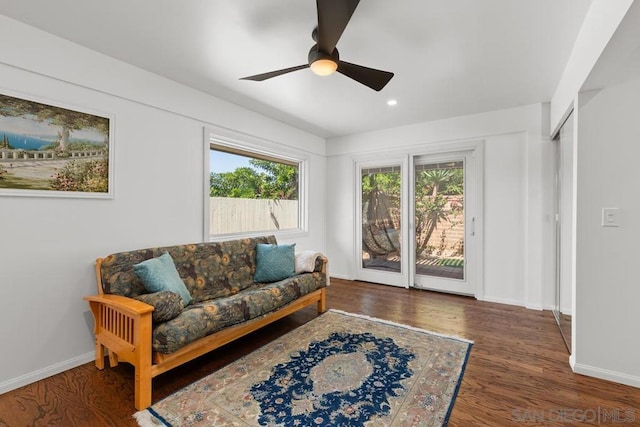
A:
[252,191]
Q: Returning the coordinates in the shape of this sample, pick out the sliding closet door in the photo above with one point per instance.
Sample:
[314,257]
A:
[563,307]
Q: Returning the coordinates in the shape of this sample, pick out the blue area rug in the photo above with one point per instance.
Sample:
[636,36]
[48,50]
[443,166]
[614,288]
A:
[340,369]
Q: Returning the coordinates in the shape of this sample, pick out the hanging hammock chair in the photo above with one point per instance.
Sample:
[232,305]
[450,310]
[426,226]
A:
[379,235]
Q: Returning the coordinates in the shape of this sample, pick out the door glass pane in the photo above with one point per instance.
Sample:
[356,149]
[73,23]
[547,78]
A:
[381,187]
[439,219]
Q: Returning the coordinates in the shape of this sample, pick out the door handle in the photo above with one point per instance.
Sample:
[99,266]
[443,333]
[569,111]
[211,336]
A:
[473,226]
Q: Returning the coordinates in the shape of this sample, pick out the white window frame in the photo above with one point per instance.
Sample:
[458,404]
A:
[234,140]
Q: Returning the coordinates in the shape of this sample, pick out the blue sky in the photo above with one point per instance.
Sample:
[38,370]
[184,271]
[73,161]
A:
[27,125]
[224,162]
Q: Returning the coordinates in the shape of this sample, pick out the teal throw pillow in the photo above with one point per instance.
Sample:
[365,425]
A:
[160,274]
[274,262]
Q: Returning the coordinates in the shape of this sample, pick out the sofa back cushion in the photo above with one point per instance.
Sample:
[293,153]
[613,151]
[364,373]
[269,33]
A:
[209,270]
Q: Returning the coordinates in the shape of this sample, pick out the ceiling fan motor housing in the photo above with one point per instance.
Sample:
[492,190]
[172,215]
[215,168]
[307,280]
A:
[315,55]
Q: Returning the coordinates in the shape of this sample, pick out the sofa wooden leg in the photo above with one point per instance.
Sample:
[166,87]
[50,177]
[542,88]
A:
[142,389]
[99,355]
[322,303]
[142,362]
[113,359]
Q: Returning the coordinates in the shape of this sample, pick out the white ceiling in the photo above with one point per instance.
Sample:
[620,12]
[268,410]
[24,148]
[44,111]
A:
[450,57]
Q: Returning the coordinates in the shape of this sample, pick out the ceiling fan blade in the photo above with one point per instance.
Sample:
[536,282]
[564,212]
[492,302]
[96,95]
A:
[375,79]
[265,76]
[333,17]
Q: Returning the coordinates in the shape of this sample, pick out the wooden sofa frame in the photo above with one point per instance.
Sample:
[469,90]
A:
[123,327]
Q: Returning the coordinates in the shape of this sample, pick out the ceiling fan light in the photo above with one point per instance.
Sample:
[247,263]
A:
[324,67]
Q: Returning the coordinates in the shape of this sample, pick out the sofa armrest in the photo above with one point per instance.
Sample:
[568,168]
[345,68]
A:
[122,325]
[321,264]
[124,304]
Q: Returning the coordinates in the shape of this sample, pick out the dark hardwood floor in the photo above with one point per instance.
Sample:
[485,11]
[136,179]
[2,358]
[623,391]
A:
[517,374]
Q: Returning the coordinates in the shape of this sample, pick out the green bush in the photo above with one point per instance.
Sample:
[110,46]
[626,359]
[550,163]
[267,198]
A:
[83,175]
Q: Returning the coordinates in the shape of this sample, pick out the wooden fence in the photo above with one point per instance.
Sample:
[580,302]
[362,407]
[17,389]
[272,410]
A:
[233,215]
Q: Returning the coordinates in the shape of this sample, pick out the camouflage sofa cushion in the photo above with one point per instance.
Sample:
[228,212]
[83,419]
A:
[199,320]
[219,277]
[167,305]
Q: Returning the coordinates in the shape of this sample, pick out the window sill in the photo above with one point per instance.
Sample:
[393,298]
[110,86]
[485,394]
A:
[280,234]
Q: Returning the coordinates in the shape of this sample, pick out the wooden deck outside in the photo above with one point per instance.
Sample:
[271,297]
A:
[425,266]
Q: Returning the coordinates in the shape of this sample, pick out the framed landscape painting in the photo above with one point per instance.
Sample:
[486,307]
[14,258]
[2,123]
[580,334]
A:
[54,151]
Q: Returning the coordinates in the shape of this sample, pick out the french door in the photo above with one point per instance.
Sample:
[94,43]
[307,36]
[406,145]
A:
[419,222]
[443,209]
[382,227]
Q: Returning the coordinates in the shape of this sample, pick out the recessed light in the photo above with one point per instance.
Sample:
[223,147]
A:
[392,102]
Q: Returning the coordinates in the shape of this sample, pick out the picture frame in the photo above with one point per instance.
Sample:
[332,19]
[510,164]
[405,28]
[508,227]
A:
[49,149]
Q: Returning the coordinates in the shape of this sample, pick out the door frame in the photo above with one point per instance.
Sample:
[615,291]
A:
[405,156]
[467,285]
[400,279]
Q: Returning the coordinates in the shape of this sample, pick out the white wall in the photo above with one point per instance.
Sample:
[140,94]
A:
[601,22]
[607,290]
[601,79]
[517,205]
[48,245]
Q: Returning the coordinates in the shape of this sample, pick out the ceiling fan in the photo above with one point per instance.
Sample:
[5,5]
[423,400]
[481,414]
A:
[333,17]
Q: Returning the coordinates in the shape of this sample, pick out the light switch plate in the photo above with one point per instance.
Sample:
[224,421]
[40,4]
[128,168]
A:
[610,217]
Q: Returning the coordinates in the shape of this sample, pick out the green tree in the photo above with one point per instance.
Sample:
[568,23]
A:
[431,204]
[382,186]
[66,120]
[243,183]
[264,180]
[5,142]
[432,186]
[381,212]
[280,181]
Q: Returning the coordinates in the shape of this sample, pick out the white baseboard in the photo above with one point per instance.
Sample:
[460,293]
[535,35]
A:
[46,372]
[605,374]
[551,307]
[501,301]
[340,276]
[537,307]
[572,361]
[566,310]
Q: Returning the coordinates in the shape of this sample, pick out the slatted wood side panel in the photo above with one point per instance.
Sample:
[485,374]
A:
[117,323]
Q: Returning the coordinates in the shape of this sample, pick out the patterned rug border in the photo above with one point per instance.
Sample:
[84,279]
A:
[149,417]
[400,325]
